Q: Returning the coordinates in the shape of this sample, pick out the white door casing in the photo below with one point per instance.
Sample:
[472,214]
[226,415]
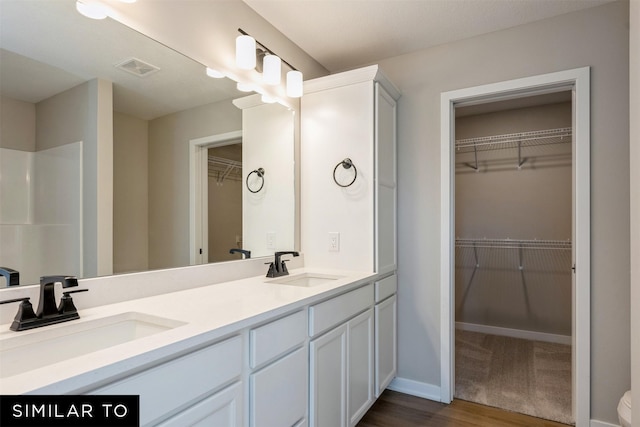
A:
[578,81]
[198,192]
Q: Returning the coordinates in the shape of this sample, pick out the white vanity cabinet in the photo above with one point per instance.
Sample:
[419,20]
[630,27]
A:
[341,358]
[385,332]
[278,384]
[202,385]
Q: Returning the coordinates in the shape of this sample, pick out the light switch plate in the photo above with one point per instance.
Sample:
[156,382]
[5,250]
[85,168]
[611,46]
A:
[271,240]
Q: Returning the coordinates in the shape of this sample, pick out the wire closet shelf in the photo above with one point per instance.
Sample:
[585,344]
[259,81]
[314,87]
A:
[222,169]
[515,140]
[514,244]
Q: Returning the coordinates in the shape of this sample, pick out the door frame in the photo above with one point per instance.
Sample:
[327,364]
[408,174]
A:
[199,192]
[578,81]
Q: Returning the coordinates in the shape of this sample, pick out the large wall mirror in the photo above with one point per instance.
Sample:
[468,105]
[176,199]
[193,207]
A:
[119,154]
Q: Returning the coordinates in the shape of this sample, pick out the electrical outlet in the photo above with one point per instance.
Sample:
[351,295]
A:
[271,240]
[334,241]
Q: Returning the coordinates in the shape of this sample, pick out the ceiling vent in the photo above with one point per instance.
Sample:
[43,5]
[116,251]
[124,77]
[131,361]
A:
[137,67]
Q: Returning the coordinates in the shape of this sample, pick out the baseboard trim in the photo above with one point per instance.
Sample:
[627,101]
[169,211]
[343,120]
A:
[415,388]
[515,333]
[596,423]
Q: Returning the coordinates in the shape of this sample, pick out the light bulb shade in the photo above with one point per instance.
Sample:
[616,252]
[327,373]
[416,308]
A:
[91,10]
[268,99]
[245,52]
[294,84]
[271,70]
[245,87]
[214,73]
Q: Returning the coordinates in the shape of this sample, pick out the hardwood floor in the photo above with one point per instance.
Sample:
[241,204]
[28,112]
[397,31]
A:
[395,409]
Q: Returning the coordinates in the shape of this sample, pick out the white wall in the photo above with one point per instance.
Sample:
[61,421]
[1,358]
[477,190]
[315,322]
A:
[596,37]
[634,157]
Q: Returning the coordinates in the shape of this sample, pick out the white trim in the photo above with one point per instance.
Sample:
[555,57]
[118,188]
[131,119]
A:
[596,423]
[415,388]
[515,333]
[198,189]
[578,80]
[364,74]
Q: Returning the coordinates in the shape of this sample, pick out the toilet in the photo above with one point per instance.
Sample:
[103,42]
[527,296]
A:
[624,410]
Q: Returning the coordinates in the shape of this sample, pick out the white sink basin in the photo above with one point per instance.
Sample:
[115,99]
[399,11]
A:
[305,279]
[52,344]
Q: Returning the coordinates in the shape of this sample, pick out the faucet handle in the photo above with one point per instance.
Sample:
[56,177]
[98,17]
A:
[66,302]
[283,268]
[24,315]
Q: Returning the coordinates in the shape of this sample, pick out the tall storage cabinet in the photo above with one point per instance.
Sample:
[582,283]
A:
[351,115]
[348,221]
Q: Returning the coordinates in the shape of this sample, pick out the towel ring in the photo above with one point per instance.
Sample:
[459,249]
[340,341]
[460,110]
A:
[347,164]
[260,173]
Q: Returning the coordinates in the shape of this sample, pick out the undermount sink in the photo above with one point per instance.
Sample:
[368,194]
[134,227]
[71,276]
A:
[25,352]
[305,279]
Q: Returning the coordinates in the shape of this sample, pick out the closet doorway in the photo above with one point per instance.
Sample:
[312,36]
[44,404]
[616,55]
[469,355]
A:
[513,255]
[515,245]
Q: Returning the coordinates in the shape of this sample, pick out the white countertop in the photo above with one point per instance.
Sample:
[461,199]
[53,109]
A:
[210,313]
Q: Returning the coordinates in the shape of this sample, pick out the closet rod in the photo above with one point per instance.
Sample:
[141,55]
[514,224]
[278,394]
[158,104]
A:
[514,244]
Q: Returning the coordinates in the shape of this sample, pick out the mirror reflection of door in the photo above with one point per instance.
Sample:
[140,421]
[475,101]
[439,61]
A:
[224,201]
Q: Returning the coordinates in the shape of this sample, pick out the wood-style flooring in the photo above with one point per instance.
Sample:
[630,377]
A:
[393,409]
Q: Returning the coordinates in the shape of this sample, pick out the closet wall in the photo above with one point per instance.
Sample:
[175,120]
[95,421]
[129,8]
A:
[513,221]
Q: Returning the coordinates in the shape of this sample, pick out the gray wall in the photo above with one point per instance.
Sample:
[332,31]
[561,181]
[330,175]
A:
[597,37]
[18,131]
[634,77]
[130,193]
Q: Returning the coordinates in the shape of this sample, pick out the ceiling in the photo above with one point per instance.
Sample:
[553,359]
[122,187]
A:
[344,34]
[64,49]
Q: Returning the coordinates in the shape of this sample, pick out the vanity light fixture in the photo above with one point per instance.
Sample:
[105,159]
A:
[91,9]
[247,52]
[214,73]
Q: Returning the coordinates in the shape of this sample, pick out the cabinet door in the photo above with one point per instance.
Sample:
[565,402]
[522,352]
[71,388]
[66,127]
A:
[278,393]
[386,347]
[360,370]
[328,377]
[223,409]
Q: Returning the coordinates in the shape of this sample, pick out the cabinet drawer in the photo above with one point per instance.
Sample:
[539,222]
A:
[386,287]
[328,314]
[276,338]
[278,393]
[223,409]
[182,381]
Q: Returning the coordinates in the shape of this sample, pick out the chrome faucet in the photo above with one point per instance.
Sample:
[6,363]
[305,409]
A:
[278,267]
[48,313]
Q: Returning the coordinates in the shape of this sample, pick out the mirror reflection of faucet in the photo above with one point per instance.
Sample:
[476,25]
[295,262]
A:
[12,276]
[246,254]
[278,267]
[48,313]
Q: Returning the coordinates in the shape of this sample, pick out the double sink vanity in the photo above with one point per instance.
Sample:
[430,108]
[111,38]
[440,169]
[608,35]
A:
[315,347]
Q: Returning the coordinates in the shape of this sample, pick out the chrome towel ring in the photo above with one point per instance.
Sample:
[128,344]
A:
[260,173]
[347,164]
